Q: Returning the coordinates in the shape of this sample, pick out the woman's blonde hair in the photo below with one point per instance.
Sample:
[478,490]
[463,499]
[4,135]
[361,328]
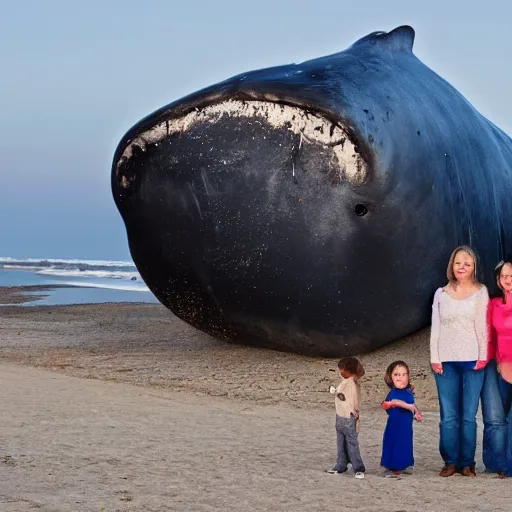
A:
[449,270]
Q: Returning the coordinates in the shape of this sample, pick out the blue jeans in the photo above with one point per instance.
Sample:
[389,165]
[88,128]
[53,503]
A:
[505,389]
[493,412]
[459,390]
[348,445]
[506,399]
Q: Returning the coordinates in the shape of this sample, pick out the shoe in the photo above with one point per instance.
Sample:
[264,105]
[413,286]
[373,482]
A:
[359,475]
[502,475]
[334,471]
[469,471]
[392,474]
[448,470]
[408,470]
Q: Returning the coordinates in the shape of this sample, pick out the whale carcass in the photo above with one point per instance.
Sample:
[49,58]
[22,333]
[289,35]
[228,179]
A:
[312,207]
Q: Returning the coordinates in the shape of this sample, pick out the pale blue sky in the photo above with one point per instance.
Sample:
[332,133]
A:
[76,75]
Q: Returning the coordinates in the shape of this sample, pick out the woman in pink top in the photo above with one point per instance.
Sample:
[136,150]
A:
[496,391]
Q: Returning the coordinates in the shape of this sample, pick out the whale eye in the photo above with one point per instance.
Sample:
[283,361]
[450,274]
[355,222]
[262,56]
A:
[360,210]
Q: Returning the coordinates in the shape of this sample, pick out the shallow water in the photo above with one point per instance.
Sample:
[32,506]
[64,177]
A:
[81,290]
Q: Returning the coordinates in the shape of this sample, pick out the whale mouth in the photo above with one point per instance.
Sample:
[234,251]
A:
[307,127]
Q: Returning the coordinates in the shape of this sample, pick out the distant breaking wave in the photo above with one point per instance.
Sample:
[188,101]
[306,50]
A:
[88,273]
[49,261]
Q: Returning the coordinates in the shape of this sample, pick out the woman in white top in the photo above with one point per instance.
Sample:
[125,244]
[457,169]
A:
[458,353]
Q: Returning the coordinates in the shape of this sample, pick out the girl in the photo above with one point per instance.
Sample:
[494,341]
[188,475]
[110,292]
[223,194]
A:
[397,446]
[497,391]
[458,354]
[347,402]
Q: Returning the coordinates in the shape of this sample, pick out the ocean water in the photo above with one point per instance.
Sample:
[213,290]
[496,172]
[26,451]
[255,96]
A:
[89,281]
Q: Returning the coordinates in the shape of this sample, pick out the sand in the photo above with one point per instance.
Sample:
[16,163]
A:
[124,407]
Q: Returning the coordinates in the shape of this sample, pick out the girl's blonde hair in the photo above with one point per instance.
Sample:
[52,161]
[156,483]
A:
[449,270]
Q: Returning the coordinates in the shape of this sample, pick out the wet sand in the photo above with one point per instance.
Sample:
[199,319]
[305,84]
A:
[22,294]
[125,407]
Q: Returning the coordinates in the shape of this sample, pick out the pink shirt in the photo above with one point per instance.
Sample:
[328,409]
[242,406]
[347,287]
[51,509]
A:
[499,319]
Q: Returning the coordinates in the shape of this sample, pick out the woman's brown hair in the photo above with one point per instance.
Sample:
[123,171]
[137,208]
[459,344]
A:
[352,365]
[497,273]
[449,270]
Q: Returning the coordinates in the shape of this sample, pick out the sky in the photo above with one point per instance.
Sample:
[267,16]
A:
[75,76]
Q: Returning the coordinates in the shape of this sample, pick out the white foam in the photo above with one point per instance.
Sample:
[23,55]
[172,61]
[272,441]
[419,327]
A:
[99,269]
[108,286]
[29,268]
[102,274]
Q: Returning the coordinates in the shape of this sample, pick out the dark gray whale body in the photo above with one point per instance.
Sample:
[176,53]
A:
[312,207]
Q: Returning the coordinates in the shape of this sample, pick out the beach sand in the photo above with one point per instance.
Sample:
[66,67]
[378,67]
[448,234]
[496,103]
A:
[124,407]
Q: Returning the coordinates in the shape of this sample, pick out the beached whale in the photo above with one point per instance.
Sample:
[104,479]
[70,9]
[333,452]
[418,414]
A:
[313,207]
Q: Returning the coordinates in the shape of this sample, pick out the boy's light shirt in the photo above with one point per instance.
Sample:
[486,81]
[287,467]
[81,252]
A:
[350,390]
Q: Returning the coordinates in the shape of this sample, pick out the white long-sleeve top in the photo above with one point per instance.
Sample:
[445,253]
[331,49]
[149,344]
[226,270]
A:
[459,327]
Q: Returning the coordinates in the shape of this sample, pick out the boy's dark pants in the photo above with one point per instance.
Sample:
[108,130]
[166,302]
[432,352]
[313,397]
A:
[348,445]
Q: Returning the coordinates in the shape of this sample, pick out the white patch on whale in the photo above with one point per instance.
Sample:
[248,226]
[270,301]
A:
[311,127]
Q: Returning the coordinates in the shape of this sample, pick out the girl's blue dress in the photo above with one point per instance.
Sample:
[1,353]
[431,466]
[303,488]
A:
[397,451]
